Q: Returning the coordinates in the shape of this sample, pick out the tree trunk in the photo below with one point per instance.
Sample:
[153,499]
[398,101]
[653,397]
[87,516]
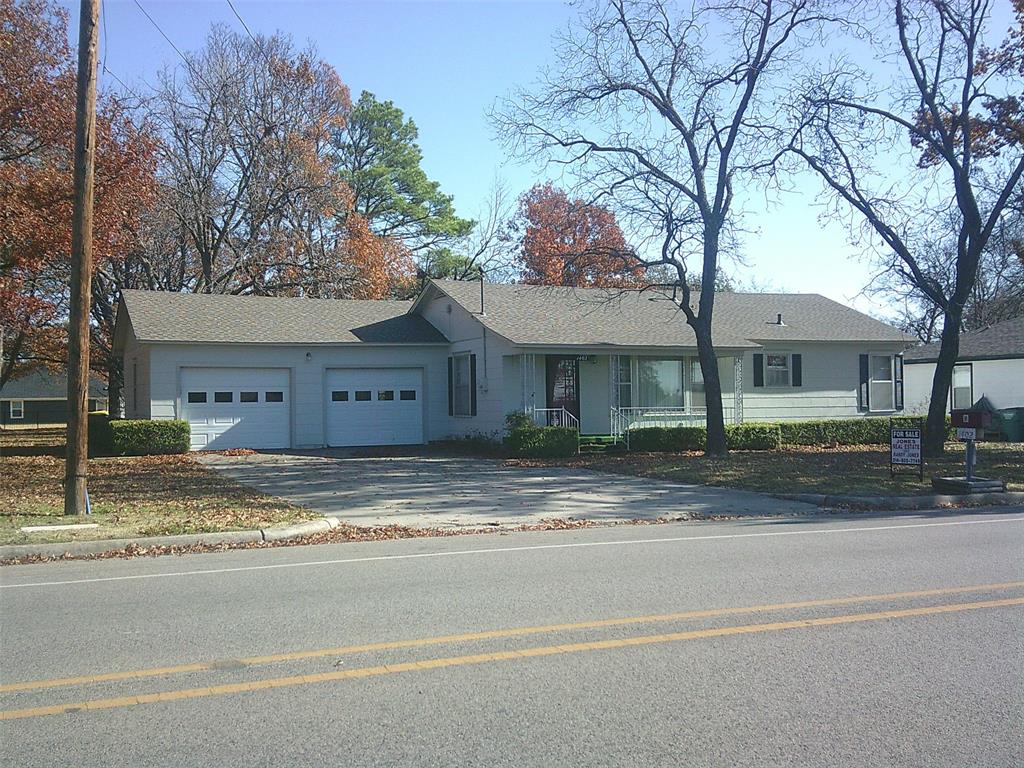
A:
[949,350]
[716,444]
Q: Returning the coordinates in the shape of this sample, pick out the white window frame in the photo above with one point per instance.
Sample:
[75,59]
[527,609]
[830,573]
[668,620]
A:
[789,369]
[20,409]
[872,381]
[467,411]
[952,385]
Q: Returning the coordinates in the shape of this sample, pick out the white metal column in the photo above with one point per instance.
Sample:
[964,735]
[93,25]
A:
[737,374]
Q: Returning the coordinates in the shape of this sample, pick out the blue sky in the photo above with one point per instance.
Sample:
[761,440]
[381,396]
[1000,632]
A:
[444,64]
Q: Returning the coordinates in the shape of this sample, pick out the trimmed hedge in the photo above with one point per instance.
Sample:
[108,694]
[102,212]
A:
[753,437]
[866,431]
[770,437]
[739,437]
[141,437]
[101,437]
[542,442]
[136,437]
[667,439]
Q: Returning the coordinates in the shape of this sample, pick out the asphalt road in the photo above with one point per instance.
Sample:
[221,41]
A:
[881,641]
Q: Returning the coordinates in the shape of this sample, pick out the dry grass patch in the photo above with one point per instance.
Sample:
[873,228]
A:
[842,470]
[133,496]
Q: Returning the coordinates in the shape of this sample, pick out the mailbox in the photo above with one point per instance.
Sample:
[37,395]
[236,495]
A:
[967,417]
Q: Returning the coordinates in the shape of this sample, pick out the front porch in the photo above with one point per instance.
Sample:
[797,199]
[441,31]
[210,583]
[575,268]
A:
[612,393]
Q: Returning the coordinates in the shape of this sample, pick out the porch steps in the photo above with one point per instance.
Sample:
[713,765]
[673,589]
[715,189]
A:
[599,444]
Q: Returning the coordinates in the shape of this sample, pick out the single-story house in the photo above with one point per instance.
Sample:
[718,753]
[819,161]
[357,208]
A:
[264,372]
[40,399]
[990,364]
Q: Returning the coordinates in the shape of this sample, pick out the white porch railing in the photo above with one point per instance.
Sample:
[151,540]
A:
[625,419]
[555,417]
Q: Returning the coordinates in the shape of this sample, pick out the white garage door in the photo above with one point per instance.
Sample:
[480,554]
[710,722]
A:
[236,407]
[374,406]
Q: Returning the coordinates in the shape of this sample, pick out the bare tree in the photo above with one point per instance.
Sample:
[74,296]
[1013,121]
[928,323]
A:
[247,126]
[937,148]
[662,110]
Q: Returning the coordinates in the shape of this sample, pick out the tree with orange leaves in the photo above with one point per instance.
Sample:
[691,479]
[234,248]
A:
[570,242]
[37,104]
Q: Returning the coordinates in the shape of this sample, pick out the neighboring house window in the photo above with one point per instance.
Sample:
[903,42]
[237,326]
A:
[17,409]
[659,383]
[778,370]
[963,386]
[625,381]
[697,396]
[882,380]
[881,383]
[462,385]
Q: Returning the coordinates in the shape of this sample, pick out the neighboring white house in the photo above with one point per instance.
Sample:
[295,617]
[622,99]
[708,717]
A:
[990,364]
[281,372]
[39,398]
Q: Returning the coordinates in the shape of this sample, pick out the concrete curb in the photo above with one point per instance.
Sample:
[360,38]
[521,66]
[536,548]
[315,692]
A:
[890,503]
[98,546]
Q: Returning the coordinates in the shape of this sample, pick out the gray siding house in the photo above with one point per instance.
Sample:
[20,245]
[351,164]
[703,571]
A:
[281,372]
[990,364]
[40,399]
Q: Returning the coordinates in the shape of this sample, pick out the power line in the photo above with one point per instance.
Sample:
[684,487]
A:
[163,34]
[245,26]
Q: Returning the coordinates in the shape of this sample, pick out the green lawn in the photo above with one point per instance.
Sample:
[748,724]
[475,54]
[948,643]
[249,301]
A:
[844,470]
[132,496]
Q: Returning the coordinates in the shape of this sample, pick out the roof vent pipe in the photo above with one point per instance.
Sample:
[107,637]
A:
[779,320]
[481,290]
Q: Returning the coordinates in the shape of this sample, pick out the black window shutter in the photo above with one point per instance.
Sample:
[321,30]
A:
[798,370]
[899,381]
[472,385]
[451,389]
[758,370]
[863,390]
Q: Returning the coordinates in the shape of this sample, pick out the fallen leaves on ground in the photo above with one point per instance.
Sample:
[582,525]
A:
[342,533]
[845,469]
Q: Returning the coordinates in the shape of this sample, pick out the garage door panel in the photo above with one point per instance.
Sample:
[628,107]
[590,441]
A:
[219,419]
[367,407]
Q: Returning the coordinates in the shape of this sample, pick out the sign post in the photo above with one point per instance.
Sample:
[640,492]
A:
[905,446]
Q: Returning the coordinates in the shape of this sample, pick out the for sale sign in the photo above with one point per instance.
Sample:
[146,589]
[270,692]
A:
[905,447]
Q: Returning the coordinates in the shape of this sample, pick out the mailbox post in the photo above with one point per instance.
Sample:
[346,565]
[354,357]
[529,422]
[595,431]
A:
[967,422]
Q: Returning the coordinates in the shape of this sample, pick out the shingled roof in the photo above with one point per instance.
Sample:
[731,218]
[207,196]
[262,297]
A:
[162,316]
[999,341]
[543,315]
[41,384]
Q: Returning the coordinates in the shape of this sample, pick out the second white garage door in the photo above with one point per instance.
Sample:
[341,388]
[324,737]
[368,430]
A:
[374,406]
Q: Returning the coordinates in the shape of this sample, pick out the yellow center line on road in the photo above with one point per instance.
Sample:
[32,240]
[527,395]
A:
[484,658]
[496,634]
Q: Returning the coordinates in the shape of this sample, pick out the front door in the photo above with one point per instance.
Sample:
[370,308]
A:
[563,381]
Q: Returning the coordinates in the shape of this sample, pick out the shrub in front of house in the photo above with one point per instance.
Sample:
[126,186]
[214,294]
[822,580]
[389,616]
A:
[740,437]
[530,442]
[101,437]
[868,431]
[141,437]
[753,437]
[667,439]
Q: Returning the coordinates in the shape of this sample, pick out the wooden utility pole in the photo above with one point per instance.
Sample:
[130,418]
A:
[76,467]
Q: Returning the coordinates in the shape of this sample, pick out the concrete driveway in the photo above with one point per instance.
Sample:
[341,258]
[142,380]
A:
[452,492]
